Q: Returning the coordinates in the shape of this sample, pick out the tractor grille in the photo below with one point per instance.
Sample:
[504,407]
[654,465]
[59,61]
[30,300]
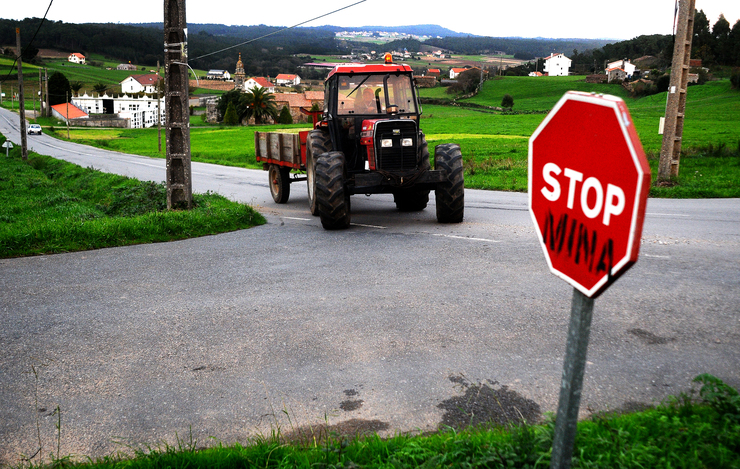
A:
[397,157]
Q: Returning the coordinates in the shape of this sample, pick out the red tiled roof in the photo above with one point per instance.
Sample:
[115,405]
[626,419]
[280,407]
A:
[285,76]
[146,80]
[459,70]
[78,55]
[74,111]
[553,55]
[263,82]
[314,95]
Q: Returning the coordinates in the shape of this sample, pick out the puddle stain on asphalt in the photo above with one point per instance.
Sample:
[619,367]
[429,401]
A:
[649,338]
[486,403]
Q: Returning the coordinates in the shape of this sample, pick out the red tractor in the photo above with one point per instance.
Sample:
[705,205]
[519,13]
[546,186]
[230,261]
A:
[368,141]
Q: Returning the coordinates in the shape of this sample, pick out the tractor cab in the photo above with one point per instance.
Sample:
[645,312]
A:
[372,114]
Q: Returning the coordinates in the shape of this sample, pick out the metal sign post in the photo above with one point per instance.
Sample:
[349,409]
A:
[572,382]
[588,186]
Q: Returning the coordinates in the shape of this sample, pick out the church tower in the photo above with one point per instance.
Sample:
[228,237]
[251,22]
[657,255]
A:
[239,76]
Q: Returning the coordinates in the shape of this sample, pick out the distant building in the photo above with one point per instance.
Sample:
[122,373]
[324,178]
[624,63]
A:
[535,74]
[141,111]
[624,65]
[296,101]
[285,79]
[76,58]
[239,76]
[433,72]
[140,83]
[67,111]
[615,74]
[218,75]
[454,72]
[557,65]
[259,82]
[128,66]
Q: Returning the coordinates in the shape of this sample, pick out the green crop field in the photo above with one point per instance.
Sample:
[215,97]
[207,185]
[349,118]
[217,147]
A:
[495,144]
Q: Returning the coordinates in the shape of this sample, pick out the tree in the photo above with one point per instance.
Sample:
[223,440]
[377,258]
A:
[76,86]
[230,117]
[59,89]
[722,45]
[285,117]
[507,102]
[29,53]
[100,88]
[260,104]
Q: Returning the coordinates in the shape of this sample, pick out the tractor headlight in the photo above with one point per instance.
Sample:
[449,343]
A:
[407,142]
[386,143]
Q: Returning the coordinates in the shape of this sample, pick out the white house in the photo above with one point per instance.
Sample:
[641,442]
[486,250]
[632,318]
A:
[141,112]
[557,65]
[218,75]
[454,72]
[285,79]
[259,82]
[624,64]
[76,58]
[140,83]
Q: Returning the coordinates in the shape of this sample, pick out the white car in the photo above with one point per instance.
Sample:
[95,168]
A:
[34,129]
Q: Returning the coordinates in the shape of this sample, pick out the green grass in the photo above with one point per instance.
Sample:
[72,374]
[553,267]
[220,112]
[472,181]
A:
[50,206]
[681,433]
[495,144]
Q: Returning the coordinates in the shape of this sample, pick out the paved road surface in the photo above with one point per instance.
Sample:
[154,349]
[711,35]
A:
[375,327]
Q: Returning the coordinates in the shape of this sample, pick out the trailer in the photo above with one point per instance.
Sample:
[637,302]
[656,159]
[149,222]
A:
[280,153]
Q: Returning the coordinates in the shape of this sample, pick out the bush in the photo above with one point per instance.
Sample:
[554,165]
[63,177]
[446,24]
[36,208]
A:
[507,102]
[735,78]
[285,117]
[231,118]
[662,83]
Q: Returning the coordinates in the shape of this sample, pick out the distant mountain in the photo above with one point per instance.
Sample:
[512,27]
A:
[416,30]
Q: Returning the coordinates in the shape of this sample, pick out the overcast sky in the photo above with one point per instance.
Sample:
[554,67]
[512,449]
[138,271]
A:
[623,19]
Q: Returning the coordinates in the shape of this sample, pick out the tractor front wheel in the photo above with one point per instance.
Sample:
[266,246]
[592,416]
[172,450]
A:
[279,178]
[332,196]
[450,194]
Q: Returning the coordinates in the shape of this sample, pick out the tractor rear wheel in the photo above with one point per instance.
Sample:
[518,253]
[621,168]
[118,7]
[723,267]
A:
[332,196]
[415,200]
[317,143]
[450,194]
[279,179]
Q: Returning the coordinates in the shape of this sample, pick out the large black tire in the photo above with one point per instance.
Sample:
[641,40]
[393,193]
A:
[331,194]
[317,142]
[450,194]
[279,180]
[415,200]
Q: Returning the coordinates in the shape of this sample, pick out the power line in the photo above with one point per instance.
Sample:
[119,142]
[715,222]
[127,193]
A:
[279,30]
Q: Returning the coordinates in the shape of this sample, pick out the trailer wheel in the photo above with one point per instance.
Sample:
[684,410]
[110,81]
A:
[415,200]
[331,194]
[317,143]
[450,194]
[279,179]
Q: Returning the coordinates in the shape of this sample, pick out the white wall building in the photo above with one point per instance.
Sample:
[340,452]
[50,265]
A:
[624,64]
[285,79]
[142,111]
[140,83]
[557,65]
[76,58]
[261,82]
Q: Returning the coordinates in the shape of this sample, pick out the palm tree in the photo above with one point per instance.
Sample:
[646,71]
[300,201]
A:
[258,103]
[76,86]
[100,88]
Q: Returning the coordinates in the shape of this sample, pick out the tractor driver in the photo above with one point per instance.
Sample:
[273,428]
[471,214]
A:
[365,103]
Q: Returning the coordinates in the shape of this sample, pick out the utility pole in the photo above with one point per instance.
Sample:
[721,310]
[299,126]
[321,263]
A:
[66,99]
[21,102]
[159,111]
[47,109]
[670,151]
[177,123]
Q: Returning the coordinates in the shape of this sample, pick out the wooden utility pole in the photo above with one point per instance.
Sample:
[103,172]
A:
[47,109]
[177,123]
[670,151]
[159,111]
[21,102]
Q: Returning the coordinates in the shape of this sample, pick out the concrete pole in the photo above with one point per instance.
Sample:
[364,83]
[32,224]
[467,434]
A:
[21,101]
[159,111]
[177,128]
[47,109]
[670,151]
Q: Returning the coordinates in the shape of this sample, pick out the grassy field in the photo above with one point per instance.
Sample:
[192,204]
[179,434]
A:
[681,433]
[495,144]
[51,206]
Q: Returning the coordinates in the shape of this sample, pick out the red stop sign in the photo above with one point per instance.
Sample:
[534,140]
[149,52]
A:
[588,187]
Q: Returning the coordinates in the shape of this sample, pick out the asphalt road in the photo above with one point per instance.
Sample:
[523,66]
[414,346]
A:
[378,327]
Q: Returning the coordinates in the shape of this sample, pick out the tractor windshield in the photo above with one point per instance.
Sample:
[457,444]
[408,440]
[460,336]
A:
[376,94]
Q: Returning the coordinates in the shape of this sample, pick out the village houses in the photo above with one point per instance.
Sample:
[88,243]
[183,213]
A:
[557,65]
[140,83]
[76,58]
[285,79]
